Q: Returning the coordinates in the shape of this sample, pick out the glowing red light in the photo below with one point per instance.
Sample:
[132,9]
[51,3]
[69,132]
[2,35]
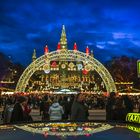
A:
[87,50]
[85,72]
[58,46]
[87,135]
[53,64]
[45,134]
[75,47]
[46,50]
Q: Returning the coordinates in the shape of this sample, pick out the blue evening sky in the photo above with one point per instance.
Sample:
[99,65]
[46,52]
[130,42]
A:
[109,27]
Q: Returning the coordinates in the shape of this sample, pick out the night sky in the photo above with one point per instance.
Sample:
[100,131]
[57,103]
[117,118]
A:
[111,28]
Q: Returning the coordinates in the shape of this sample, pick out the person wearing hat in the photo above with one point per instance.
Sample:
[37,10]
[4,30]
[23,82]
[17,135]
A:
[18,111]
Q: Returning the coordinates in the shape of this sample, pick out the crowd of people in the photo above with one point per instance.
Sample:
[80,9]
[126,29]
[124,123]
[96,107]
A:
[66,107]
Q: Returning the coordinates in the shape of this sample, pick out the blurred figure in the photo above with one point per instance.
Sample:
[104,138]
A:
[128,105]
[1,100]
[79,112]
[56,111]
[67,107]
[45,108]
[110,106]
[7,113]
[119,111]
[41,106]
[18,114]
[27,111]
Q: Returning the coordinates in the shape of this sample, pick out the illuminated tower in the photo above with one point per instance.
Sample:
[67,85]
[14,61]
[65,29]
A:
[63,40]
[34,56]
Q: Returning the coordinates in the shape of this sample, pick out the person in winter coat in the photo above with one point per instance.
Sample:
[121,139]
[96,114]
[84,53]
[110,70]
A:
[67,108]
[56,111]
[45,115]
[128,104]
[119,111]
[27,111]
[110,106]
[7,113]
[18,114]
[79,112]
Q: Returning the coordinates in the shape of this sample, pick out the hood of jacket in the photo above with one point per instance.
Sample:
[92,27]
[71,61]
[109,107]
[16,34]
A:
[55,105]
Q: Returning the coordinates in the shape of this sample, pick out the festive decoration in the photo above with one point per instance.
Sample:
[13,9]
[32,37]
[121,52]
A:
[85,72]
[106,94]
[88,67]
[46,50]
[63,66]
[71,65]
[46,68]
[58,46]
[87,50]
[75,47]
[66,56]
[79,66]
[34,55]
[63,39]
[54,64]
[91,53]
[65,129]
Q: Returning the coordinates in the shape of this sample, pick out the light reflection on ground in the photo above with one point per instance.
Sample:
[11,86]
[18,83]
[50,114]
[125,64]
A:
[65,129]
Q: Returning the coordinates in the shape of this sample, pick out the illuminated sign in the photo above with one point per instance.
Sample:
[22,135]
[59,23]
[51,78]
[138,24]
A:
[80,66]
[133,117]
[138,68]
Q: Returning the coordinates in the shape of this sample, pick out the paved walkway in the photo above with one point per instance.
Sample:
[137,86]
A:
[97,114]
[93,115]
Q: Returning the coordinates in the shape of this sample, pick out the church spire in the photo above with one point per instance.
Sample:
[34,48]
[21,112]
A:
[34,55]
[91,53]
[63,40]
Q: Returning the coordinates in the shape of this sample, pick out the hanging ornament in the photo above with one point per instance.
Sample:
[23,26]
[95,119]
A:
[85,72]
[71,65]
[79,66]
[46,68]
[54,64]
[88,67]
[63,66]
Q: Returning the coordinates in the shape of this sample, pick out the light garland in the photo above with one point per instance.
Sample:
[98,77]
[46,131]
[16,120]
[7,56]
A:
[65,129]
[3,127]
[68,55]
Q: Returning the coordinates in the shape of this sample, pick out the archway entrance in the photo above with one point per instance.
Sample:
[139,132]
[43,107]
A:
[43,63]
[66,66]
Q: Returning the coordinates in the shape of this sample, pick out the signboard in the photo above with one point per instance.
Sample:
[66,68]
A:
[138,68]
[133,117]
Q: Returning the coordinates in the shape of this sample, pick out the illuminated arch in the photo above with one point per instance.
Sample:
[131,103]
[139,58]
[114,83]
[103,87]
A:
[65,55]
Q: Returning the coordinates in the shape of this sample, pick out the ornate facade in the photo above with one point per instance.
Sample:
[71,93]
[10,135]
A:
[65,68]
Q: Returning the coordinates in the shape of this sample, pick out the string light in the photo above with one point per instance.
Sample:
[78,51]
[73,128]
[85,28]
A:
[65,129]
